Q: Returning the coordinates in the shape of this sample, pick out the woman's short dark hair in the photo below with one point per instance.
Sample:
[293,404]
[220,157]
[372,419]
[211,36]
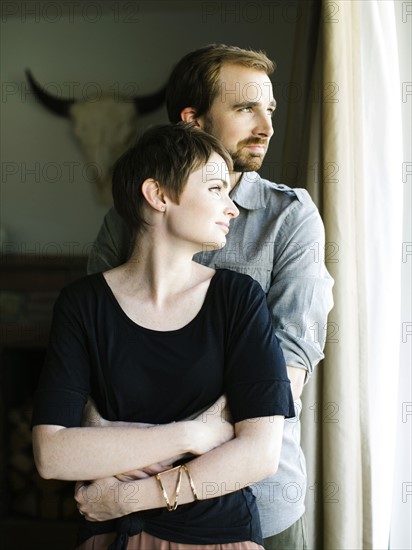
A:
[166,153]
[194,82]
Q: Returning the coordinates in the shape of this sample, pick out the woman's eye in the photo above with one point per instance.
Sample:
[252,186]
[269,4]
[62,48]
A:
[216,189]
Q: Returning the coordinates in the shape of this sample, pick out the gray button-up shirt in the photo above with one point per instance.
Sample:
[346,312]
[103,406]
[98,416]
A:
[278,239]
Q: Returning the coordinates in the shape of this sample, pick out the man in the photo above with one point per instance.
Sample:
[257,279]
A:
[227,92]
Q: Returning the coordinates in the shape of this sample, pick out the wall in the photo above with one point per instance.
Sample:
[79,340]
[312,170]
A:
[48,201]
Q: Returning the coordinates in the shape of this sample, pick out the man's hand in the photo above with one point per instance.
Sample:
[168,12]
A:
[216,420]
[297,380]
[101,500]
[219,428]
[92,418]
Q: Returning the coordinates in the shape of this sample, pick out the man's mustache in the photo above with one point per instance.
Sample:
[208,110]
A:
[255,141]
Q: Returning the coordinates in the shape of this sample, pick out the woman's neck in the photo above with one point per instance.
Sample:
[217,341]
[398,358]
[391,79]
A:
[160,287]
[157,269]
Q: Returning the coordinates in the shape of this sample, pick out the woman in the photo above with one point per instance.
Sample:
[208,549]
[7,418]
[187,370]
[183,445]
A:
[153,341]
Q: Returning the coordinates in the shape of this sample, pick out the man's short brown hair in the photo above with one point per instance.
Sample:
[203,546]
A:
[194,82]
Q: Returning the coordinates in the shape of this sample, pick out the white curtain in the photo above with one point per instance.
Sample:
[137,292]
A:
[353,158]
[382,155]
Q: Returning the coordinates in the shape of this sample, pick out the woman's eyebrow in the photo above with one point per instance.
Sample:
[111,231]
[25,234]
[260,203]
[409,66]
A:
[224,182]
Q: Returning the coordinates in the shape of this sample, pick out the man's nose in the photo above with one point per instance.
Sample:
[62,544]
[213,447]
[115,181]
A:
[264,126]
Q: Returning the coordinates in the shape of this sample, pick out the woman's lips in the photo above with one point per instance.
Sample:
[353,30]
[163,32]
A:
[224,226]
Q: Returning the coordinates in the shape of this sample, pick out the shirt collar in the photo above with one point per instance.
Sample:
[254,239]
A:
[248,193]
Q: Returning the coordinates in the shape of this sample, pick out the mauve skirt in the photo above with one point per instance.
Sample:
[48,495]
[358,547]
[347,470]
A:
[143,541]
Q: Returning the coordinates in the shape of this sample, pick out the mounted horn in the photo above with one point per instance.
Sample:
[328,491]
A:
[55,104]
[144,104]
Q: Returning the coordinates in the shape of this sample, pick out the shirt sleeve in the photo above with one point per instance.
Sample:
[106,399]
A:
[300,296]
[64,383]
[112,245]
[256,381]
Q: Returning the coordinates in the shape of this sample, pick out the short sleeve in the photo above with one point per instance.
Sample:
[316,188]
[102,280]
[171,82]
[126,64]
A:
[64,382]
[256,379]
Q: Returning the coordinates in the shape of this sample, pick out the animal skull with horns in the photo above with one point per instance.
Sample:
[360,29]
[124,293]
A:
[105,128]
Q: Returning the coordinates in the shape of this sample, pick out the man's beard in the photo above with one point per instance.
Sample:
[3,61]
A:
[246,162]
[243,161]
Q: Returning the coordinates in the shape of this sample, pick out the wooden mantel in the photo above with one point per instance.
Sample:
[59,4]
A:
[29,286]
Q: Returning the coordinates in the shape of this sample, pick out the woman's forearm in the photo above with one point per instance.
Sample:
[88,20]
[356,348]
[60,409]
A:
[90,453]
[98,452]
[236,464]
[250,457]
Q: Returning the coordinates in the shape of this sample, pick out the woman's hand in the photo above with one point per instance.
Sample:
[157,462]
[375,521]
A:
[104,499]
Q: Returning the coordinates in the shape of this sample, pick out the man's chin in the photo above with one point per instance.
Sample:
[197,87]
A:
[250,165]
[247,163]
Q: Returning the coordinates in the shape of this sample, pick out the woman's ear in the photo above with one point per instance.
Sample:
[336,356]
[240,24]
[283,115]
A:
[189,115]
[153,194]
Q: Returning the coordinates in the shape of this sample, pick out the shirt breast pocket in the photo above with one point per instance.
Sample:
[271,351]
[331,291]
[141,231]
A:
[261,274]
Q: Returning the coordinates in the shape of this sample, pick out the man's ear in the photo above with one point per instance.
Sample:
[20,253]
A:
[153,194]
[189,115]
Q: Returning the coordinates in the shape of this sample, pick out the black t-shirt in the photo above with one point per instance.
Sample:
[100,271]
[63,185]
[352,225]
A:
[137,374]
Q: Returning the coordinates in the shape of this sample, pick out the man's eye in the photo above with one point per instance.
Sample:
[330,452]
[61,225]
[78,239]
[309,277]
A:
[245,109]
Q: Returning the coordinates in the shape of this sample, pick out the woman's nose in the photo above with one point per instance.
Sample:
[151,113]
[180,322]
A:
[231,209]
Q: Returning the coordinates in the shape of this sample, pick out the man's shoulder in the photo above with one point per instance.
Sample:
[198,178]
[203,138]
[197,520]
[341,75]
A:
[258,192]
[280,189]
[113,219]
